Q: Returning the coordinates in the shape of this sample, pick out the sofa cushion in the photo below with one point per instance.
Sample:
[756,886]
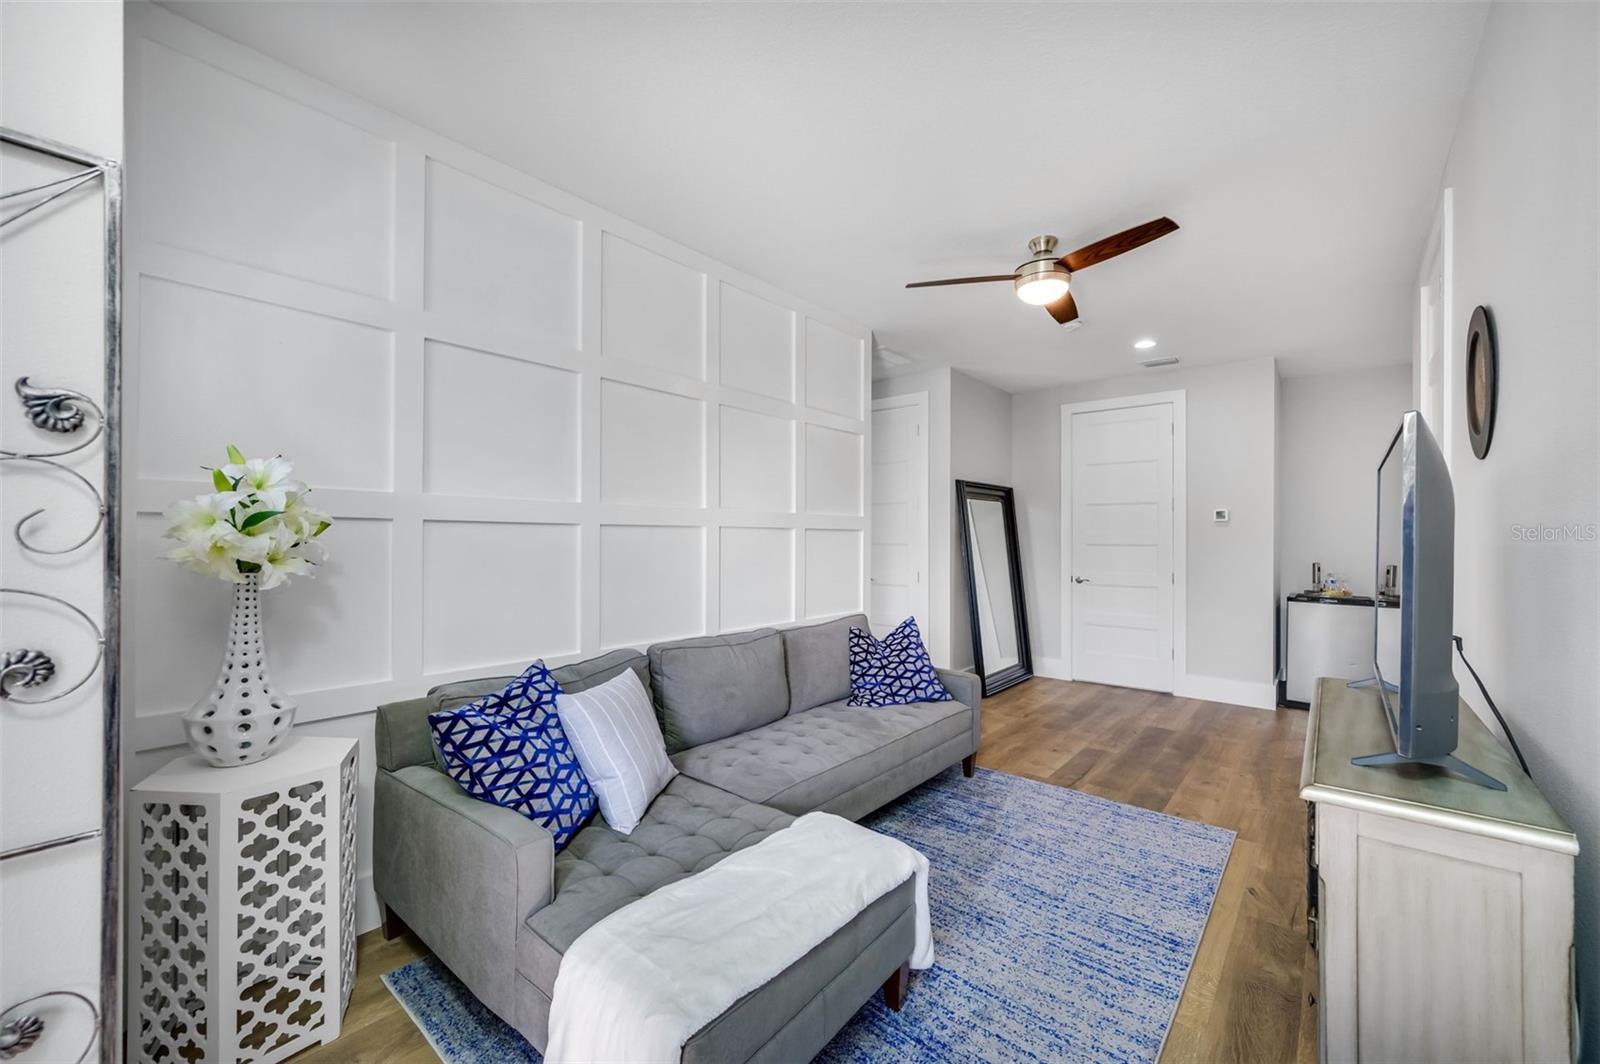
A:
[690,826]
[614,731]
[592,672]
[713,687]
[573,677]
[818,658]
[801,762]
[894,670]
[509,748]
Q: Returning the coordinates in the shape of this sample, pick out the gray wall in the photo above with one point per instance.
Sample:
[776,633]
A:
[1524,170]
[980,449]
[1332,430]
[1232,415]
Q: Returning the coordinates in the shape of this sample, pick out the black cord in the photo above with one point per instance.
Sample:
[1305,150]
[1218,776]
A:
[1460,649]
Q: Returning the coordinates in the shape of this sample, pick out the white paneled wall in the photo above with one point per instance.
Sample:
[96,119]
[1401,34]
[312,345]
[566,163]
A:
[542,430]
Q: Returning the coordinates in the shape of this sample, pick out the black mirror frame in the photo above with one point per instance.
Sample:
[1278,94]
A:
[994,683]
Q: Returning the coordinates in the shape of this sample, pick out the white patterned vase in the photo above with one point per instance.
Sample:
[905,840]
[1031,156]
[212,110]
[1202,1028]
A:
[242,718]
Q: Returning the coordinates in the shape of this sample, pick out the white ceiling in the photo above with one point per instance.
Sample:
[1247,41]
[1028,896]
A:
[841,150]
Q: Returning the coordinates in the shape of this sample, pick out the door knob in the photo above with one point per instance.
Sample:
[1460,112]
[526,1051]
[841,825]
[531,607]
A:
[1080,580]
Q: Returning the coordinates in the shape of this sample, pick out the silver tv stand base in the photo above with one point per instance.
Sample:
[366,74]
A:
[1449,762]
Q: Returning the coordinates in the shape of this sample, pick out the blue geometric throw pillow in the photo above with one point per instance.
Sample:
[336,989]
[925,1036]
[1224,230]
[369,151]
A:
[509,749]
[894,670]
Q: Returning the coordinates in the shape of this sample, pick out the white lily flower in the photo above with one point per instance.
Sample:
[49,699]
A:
[282,558]
[218,554]
[303,519]
[204,515]
[267,478]
[259,519]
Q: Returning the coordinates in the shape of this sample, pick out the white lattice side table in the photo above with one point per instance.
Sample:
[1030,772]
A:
[243,905]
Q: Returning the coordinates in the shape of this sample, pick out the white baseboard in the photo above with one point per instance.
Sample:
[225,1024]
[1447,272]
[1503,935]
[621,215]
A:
[1051,668]
[1233,692]
[1205,688]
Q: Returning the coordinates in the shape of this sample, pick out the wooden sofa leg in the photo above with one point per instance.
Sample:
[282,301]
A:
[969,765]
[393,926]
[894,990]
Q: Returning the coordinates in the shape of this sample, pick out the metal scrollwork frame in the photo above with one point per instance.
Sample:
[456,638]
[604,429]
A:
[18,1035]
[58,410]
[33,668]
[70,413]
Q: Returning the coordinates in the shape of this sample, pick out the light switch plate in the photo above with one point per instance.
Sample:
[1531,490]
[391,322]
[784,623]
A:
[1220,515]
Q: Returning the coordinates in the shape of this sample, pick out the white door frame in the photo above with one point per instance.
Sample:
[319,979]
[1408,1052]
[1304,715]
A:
[920,598]
[1180,521]
[1438,258]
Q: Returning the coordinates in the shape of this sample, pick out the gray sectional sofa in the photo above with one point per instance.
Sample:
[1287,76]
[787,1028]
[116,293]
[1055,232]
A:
[757,725]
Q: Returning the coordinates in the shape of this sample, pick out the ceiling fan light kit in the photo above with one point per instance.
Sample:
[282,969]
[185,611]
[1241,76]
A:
[1042,279]
[1046,281]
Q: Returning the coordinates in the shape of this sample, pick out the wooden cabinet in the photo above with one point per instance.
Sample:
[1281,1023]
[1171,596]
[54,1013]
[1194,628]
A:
[1443,910]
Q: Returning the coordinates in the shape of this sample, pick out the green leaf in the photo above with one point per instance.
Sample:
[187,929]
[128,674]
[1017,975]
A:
[321,528]
[256,518]
[248,567]
[235,455]
[220,481]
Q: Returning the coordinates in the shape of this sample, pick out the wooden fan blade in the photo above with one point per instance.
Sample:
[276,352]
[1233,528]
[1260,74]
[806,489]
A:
[1112,246]
[1064,310]
[963,280]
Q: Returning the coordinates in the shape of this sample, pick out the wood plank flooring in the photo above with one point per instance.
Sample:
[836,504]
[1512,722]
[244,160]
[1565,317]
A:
[1248,996]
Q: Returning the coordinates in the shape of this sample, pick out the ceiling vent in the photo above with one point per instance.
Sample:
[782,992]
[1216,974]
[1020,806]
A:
[1156,363]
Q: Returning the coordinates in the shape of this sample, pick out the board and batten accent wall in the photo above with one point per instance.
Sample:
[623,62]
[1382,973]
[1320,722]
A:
[541,430]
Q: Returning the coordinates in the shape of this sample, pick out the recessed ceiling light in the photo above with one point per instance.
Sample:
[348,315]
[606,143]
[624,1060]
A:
[1145,344]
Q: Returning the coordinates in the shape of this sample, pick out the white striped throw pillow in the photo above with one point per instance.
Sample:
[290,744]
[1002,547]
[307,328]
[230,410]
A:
[613,730]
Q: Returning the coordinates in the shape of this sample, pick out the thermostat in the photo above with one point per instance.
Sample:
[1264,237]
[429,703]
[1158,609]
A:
[1219,516]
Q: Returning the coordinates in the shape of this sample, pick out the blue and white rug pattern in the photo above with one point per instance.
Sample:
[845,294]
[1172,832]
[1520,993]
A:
[1064,926]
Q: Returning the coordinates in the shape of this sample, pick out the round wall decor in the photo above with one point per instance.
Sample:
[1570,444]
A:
[1483,380]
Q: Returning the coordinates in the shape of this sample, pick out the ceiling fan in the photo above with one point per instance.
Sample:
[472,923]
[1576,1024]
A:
[1046,281]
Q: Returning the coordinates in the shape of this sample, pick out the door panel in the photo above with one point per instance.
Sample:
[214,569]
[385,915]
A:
[1122,542]
[899,514]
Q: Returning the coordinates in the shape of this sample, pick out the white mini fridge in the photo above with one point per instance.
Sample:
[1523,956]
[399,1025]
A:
[1333,637]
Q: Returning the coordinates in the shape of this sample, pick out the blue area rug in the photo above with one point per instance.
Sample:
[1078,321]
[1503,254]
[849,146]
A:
[1064,926]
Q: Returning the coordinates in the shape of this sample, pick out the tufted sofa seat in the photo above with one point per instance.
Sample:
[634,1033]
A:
[823,756]
[689,827]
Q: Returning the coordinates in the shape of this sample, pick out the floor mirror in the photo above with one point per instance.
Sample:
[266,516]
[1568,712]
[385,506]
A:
[996,608]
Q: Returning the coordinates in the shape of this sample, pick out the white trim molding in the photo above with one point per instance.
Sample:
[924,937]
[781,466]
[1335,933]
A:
[1437,265]
[1263,695]
[1180,524]
[419,470]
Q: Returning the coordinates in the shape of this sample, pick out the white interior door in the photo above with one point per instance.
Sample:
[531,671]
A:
[1122,577]
[899,586]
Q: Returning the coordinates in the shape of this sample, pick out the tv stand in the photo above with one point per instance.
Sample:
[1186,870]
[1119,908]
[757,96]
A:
[1449,762]
[1441,911]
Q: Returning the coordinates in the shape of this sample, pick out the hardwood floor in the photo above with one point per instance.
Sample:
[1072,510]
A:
[1254,975]
[1248,996]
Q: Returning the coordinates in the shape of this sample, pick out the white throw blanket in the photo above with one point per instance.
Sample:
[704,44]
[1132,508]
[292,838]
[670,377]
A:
[636,985]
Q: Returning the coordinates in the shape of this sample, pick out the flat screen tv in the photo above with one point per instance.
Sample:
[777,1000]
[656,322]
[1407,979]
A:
[1416,529]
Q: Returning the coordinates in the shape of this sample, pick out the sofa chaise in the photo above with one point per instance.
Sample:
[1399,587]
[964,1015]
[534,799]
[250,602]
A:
[757,724]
